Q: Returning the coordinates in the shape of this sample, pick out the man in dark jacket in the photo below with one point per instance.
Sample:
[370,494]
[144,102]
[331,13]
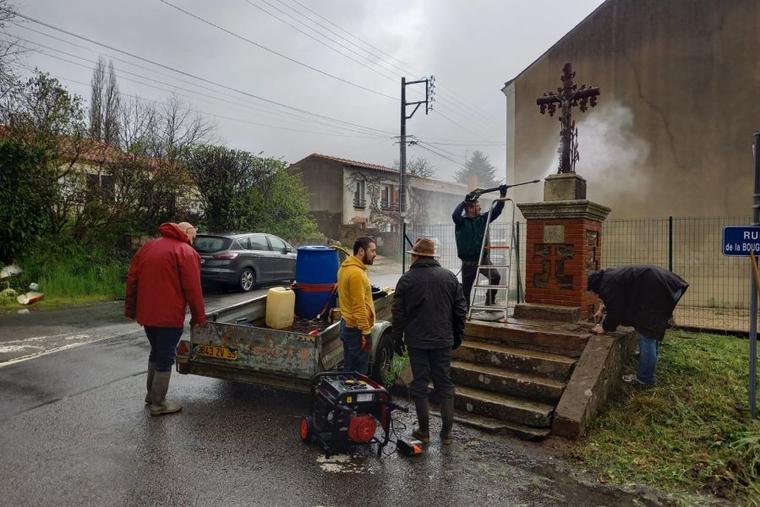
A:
[643,297]
[164,278]
[469,230]
[429,311]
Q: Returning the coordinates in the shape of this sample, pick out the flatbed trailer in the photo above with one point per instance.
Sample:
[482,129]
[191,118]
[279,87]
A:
[236,345]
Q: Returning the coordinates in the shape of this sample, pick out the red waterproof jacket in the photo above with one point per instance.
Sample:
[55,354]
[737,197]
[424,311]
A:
[164,278]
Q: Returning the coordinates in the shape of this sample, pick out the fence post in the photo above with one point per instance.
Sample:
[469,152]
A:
[670,243]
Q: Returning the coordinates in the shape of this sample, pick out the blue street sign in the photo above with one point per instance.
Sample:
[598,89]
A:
[740,240]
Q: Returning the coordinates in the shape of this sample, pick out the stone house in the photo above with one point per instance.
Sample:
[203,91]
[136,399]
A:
[345,193]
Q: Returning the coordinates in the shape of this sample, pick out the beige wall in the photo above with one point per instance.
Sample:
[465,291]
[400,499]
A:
[672,134]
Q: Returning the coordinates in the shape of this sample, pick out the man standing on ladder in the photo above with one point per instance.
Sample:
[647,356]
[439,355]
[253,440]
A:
[469,230]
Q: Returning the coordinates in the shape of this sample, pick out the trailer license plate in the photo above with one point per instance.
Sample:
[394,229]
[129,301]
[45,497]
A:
[217,352]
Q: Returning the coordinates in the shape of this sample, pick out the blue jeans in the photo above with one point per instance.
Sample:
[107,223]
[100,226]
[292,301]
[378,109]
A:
[648,349]
[353,357]
[163,346]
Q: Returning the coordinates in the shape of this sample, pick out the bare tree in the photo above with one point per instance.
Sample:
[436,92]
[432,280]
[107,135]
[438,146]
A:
[9,50]
[137,126]
[178,128]
[104,103]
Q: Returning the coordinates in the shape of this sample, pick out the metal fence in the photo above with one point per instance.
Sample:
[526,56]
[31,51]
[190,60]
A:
[719,291]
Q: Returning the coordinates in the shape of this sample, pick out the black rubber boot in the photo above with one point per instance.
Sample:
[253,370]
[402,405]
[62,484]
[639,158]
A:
[447,420]
[159,405]
[149,382]
[422,432]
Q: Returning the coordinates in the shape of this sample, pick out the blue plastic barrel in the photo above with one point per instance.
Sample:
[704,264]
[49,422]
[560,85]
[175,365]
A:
[316,264]
[316,276]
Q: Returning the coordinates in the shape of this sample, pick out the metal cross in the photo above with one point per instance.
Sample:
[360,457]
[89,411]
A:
[566,97]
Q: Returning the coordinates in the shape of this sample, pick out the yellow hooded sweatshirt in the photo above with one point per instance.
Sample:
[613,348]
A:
[355,295]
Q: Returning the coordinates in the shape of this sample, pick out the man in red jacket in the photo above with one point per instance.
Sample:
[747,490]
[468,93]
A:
[164,278]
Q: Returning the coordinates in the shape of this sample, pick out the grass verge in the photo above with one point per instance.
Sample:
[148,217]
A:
[691,433]
[68,275]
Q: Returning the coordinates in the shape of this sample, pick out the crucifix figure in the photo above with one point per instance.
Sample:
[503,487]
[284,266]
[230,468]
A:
[567,96]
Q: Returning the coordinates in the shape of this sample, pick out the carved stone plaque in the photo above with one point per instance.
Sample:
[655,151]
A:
[554,234]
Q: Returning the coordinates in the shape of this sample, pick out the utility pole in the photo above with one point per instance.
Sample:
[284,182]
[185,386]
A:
[429,92]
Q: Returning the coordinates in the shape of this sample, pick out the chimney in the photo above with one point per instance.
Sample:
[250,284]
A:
[472,182]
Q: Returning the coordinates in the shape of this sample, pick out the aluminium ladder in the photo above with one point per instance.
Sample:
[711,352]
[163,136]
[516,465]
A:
[485,248]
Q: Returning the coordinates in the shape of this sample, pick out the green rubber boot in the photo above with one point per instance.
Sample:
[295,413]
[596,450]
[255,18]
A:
[159,405]
[149,382]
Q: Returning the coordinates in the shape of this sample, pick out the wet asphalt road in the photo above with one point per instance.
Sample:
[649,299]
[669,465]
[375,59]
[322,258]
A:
[74,431]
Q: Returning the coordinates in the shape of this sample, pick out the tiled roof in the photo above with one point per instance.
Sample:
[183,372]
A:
[430,184]
[352,163]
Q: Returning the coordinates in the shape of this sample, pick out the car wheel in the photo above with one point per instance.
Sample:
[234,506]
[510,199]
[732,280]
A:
[247,280]
[383,359]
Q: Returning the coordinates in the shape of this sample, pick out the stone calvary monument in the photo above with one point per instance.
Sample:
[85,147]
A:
[542,371]
[564,231]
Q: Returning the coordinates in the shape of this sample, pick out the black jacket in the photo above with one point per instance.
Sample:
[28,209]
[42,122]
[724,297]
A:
[640,296]
[429,308]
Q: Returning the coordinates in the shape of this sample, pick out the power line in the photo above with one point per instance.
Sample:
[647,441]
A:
[464,143]
[465,108]
[172,86]
[215,115]
[345,31]
[458,124]
[363,64]
[172,90]
[281,55]
[199,78]
[127,62]
[454,96]
[457,162]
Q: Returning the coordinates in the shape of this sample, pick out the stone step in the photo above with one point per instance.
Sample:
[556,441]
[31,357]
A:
[503,407]
[491,378]
[516,359]
[491,425]
[555,337]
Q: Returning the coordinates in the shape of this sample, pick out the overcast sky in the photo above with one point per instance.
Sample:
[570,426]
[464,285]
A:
[472,47]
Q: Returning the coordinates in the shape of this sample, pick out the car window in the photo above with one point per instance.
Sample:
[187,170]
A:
[277,244]
[258,242]
[209,244]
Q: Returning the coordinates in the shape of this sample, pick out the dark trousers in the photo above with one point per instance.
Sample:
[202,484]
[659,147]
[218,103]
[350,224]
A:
[469,276]
[163,346]
[435,364]
[353,357]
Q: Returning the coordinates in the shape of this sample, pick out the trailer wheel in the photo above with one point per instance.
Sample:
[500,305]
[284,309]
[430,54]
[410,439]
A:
[383,359]
[306,429]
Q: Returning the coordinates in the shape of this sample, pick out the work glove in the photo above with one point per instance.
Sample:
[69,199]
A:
[503,190]
[457,342]
[399,347]
[365,343]
[472,196]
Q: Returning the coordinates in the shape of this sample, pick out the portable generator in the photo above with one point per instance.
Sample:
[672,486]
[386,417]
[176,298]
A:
[348,408]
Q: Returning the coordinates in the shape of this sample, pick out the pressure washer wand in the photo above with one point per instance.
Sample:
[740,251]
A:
[482,191]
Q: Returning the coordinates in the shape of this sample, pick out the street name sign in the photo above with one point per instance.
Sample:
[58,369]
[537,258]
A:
[740,240]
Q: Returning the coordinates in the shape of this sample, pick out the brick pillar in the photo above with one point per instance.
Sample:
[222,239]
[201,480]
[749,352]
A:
[564,244]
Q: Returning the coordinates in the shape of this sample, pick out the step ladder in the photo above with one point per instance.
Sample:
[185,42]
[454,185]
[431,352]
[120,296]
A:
[485,249]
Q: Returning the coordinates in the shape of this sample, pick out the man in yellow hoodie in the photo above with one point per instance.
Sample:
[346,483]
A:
[356,306]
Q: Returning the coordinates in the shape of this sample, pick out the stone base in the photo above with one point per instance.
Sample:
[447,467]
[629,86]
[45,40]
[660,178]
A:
[531,311]
[596,375]
[564,187]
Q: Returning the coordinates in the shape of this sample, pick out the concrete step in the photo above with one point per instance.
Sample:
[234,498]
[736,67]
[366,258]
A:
[516,359]
[555,337]
[491,425]
[504,407]
[491,378]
